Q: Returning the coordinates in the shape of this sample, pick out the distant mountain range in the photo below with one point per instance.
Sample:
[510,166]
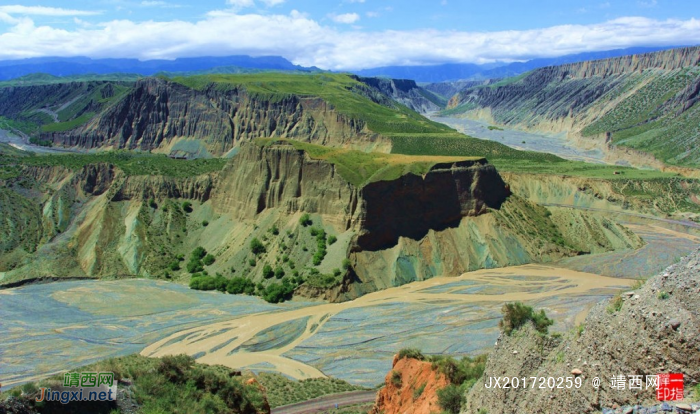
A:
[76,66]
[57,66]
[468,71]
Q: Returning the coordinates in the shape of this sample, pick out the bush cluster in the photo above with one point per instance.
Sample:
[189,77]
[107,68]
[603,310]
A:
[515,315]
[320,235]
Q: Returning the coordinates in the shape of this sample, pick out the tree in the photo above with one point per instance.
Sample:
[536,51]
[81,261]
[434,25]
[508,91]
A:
[208,260]
[332,239]
[198,253]
[267,271]
[187,207]
[279,273]
[305,220]
[257,247]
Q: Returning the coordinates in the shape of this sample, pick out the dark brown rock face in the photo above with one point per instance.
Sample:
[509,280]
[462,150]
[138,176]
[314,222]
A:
[412,205]
[281,176]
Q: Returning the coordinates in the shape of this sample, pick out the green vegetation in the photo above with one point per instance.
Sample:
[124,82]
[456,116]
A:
[172,384]
[320,280]
[267,271]
[418,392]
[278,292]
[257,248]
[494,128]
[186,206]
[304,220]
[451,398]
[412,353]
[347,95]
[663,295]
[361,168]
[208,260]
[615,304]
[396,379]
[35,79]
[320,254]
[283,391]
[652,119]
[196,264]
[131,163]
[68,125]
[516,314]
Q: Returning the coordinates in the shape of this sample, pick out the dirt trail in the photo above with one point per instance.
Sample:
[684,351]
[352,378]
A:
[219,340]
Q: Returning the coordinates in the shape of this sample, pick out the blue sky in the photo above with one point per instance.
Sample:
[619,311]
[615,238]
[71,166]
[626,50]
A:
[343,34]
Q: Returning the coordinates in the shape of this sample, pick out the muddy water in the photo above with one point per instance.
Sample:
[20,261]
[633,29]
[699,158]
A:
[53,327]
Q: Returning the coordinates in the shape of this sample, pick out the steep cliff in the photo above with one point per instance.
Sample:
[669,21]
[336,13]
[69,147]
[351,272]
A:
[158,114]
[649,331]
[392,219]
[410,388]
[209,115]
[644,102]
[408,93]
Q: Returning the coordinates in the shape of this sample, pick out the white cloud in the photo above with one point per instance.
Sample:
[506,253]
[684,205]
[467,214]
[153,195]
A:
[354,1]
[272,3]
[241,3]
[43,11]
[347,18]
[372,14]
[305,41]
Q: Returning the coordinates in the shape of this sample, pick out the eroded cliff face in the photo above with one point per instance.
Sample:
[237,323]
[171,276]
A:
[98,221]
[630,106]
[410,388]
[169,117]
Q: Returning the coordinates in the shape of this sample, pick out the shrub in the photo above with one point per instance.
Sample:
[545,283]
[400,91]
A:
[418,392]
[663,295]
[267,271]
[257,247]
[205,223]
[336,272]
[411,353]
[239,285]
[175,367]
[305,220]
[396,379]
[208,260]
[152,203]
[615,304]
[187,207]
[198,253]
[174,265]
[251,262]
[515,315]
[279,273]
[194,266]
[346,264]
[450,398]
[276,292]
[332,239]
[274,230]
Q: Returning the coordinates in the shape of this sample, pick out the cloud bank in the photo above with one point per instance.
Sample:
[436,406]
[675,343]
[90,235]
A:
[307,42]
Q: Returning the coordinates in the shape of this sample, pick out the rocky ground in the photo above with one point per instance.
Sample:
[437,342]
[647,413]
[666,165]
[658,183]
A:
[654,329]
[681,408]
